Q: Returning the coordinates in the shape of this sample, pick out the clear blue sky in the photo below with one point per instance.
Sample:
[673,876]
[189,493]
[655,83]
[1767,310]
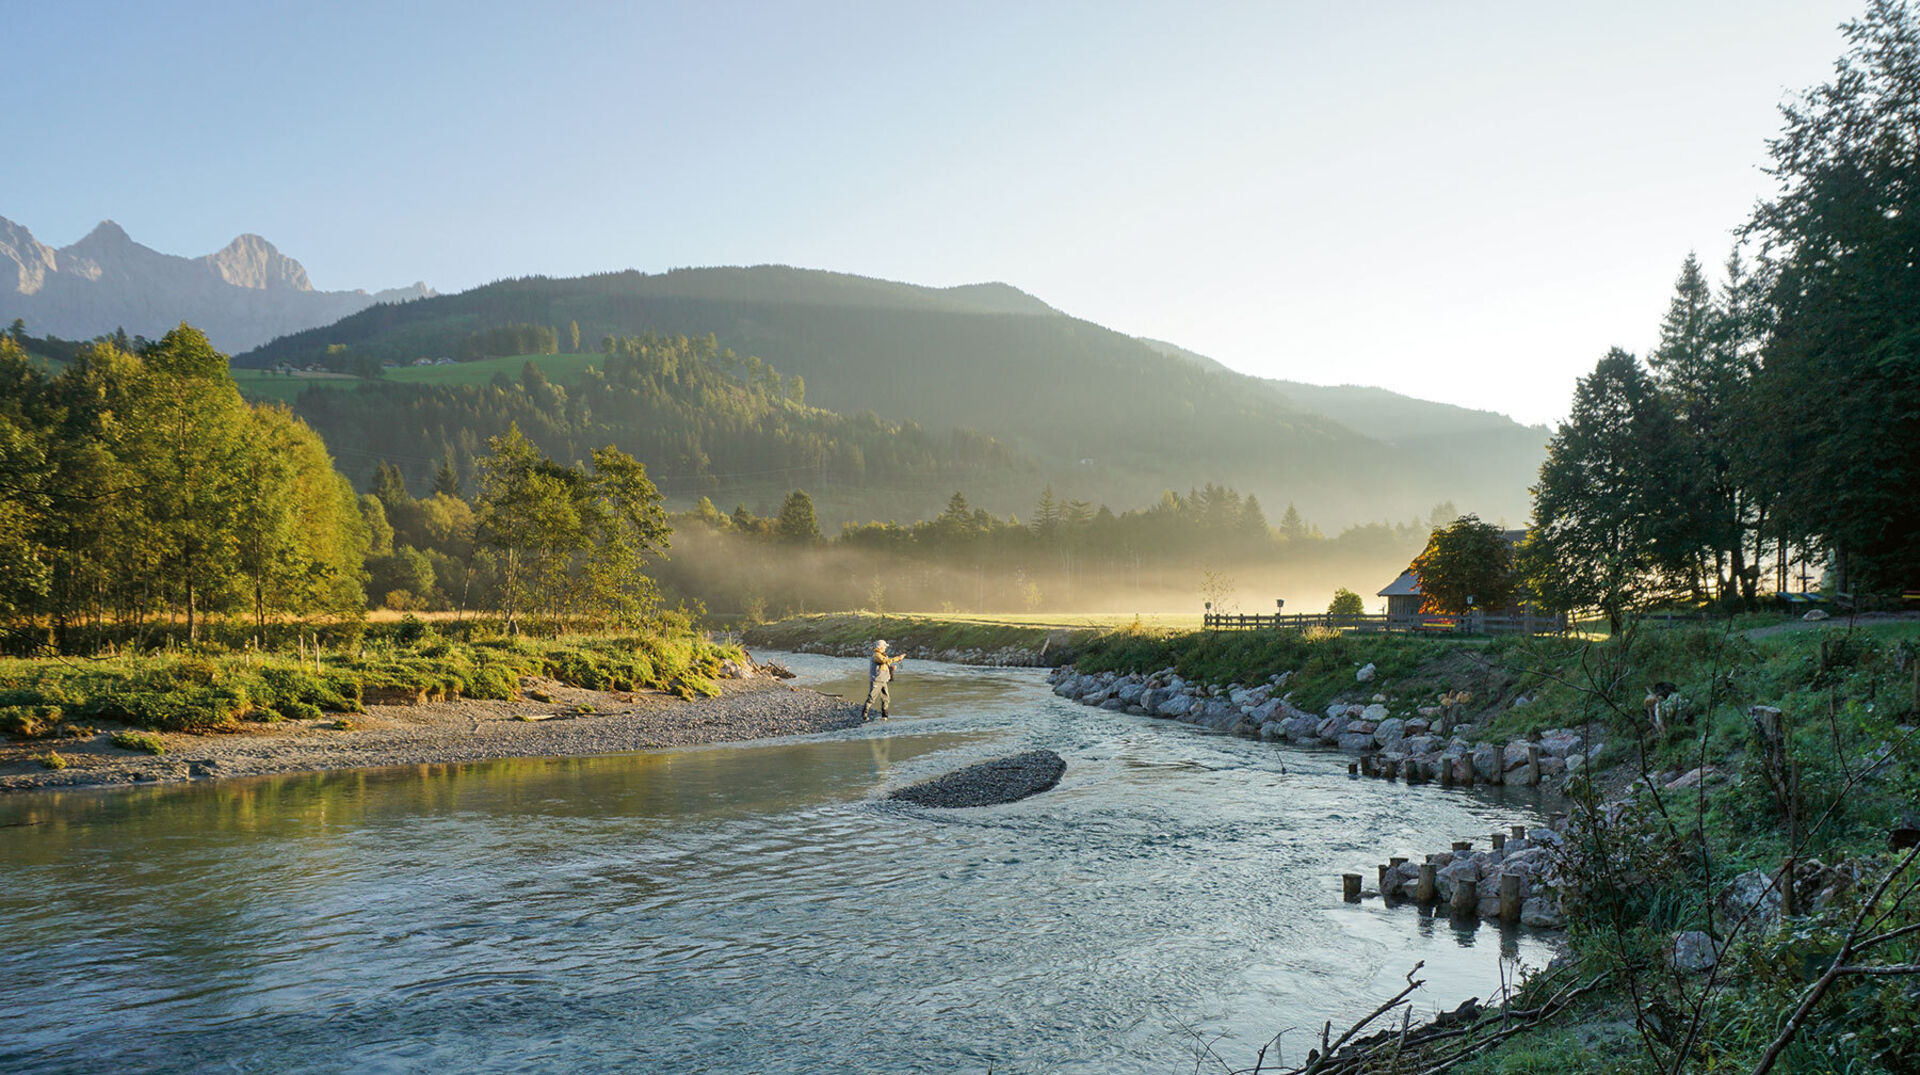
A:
[1461,201]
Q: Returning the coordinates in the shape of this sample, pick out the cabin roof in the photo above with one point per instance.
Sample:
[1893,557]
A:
[1407,585]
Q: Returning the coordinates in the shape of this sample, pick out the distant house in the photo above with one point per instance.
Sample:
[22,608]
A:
[1403,594]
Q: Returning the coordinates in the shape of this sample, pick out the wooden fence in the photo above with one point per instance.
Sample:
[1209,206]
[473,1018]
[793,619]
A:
[1527,623]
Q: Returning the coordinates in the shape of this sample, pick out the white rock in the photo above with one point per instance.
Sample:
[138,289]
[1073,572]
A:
[1365,674]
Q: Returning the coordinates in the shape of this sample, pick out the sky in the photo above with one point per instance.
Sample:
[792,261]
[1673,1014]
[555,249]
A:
[1468,202]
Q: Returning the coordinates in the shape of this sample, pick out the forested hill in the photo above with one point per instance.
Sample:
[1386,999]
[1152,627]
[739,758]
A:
[1106,417]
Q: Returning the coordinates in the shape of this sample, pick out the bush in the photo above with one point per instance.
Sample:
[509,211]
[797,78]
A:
[28,721]
[51,760]
[145,742]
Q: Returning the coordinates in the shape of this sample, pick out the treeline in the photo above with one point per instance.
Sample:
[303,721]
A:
[139,491]
[1777,424]
[701,415]
[514,339]
[1070,554]
[538,539]
[137,486]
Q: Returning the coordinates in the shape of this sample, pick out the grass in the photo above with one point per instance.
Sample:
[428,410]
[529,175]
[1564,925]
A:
[205,691]
[265,385]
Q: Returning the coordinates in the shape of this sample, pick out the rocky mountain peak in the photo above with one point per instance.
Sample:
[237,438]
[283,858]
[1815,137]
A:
[251,261]
[105,236]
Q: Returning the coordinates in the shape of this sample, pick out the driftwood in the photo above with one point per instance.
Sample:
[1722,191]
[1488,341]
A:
[1452,1038]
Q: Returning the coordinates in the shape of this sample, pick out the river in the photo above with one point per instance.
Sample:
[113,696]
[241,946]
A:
[754,907]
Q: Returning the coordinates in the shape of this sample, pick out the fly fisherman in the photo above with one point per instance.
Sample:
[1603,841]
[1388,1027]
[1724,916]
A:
[878,676]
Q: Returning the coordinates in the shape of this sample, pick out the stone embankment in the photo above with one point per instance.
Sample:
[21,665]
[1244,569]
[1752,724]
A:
[1427,743]
[1513,881]
[1003,657]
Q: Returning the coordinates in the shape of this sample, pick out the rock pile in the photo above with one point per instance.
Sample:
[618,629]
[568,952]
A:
[1528,856]
[1417,746]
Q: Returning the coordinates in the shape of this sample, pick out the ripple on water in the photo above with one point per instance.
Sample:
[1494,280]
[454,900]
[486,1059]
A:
[754,907]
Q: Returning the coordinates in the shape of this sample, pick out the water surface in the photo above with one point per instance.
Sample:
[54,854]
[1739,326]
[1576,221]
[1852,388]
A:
[753,907]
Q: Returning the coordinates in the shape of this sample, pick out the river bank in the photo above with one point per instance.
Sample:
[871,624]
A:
[549,719]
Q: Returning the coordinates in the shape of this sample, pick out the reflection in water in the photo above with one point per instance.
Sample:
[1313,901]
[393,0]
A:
[755,906]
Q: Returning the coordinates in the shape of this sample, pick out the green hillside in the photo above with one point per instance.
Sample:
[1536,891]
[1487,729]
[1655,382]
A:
[1103,416]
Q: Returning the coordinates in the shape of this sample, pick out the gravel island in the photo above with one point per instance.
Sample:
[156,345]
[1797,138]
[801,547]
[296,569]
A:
[989,783]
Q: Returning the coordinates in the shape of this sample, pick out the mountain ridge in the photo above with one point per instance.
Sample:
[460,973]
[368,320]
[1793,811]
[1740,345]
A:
[1107,417]
[241,295]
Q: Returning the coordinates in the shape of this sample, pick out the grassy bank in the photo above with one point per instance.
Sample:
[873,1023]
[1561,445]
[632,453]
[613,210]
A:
[1672,816]
[210,689]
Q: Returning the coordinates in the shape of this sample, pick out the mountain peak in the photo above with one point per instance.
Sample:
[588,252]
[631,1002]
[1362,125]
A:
[105,235]
[253,262]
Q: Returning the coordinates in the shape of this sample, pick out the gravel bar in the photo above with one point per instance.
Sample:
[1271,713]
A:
[574,722]
[990,783]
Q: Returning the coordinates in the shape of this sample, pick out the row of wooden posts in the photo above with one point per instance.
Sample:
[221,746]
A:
[1466,892]
[1454,771]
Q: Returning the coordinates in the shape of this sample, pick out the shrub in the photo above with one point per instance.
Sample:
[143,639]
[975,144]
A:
[145,742]
[51,760]
[28,721]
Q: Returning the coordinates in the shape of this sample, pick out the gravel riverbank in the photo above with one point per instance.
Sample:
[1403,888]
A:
[573,722]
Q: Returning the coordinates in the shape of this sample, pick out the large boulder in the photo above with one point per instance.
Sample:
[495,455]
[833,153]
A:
[1752,896]
[1130,692]
[1487,762]
[1217,714]
[1540,912]
[1150,699]
[1692,952]
[1355,741]
[1515,755]
[1561,742]
[1375,713]
[1175,708]
[1301,727]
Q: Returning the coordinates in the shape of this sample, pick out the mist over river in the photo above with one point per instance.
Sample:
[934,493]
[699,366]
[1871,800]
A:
[750,908]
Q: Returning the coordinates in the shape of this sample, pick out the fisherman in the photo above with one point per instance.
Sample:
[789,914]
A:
[878,676]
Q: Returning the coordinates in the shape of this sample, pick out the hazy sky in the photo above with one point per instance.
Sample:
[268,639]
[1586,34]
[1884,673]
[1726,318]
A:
[1461,201]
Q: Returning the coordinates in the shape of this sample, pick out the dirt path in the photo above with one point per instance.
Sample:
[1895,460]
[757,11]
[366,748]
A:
[575,722]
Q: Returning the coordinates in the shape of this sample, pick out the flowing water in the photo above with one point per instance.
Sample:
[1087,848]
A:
[745,908]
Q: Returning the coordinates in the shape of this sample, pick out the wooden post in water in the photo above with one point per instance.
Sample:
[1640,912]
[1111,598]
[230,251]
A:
[1466,898]
[1353,768]
[1463,772]
[1533,764]
[1463,845]
[1509,897]
[1384,887]
[1425,890]
[1446,773]
[1499,841]
[1350,887]
[1519,832]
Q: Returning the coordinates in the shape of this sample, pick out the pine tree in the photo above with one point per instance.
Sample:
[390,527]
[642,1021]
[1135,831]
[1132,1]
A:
[1609,512]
